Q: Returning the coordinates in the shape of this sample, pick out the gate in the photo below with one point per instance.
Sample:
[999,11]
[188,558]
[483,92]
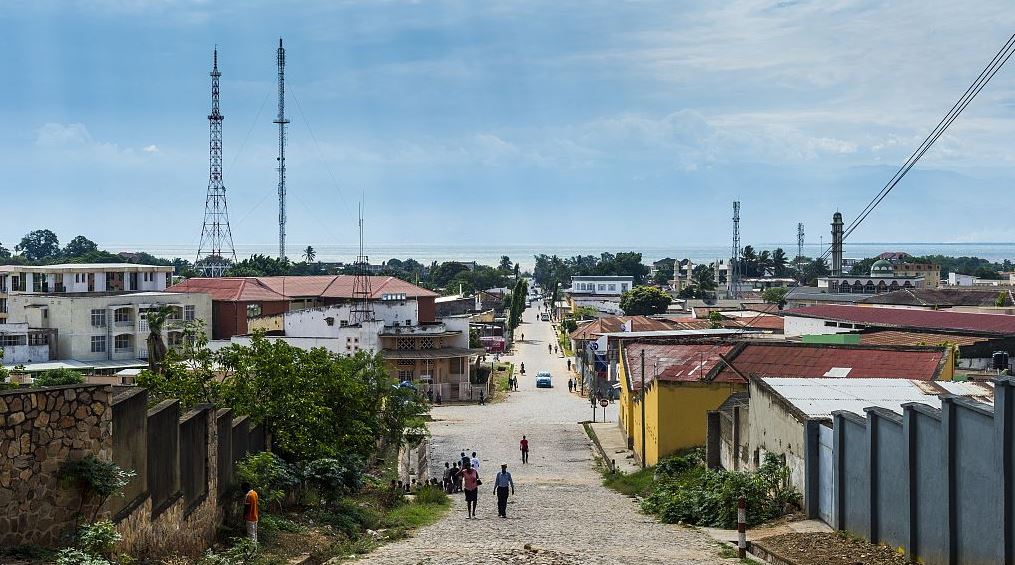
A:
[825,465]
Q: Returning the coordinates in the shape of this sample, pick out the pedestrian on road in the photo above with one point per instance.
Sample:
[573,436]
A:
[438,398]
[456,478]
[556,349]
[570,385]
[569,365]
[481,399]
[464,460]
[251,511]
[474,461]
[516,382]
[429,395]
[549,348]
[471,482]
[500,487]
[449,481]
[524,447]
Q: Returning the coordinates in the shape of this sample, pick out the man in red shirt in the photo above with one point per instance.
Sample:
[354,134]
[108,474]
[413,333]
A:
[251,511]
[524,447]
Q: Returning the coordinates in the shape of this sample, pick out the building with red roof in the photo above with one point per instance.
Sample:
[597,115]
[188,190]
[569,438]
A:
[829,319]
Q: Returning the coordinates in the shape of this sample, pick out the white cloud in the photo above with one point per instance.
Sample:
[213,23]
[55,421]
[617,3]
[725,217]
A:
[151,148]
[62,135]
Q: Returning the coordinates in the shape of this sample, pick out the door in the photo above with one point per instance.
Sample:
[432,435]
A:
[825,473]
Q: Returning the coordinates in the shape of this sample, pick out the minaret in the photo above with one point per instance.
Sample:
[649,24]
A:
[281,121]
[216,247]
[837,244]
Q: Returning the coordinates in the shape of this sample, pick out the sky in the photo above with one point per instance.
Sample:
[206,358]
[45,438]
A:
[592,122]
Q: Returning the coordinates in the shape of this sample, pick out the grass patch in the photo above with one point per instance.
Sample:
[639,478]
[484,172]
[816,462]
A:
[639,483]
[501,373]
[414,515]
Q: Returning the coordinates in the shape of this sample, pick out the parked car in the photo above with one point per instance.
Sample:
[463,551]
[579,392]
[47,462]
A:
[544,317]
[544,380]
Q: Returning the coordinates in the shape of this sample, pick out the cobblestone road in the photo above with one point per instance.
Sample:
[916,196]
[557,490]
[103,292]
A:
[560,508]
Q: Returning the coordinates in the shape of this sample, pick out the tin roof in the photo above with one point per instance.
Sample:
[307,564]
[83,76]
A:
[818,398]
[816,360]
[976,324]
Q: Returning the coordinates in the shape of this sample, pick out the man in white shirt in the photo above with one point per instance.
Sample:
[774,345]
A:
[475,461]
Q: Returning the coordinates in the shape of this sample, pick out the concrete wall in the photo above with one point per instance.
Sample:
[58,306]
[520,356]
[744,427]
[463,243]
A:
[130,429]
[796,325]
[936,484]
[775,429]
[40,430]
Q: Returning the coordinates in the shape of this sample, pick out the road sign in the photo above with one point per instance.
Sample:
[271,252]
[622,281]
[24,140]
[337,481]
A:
[603,402]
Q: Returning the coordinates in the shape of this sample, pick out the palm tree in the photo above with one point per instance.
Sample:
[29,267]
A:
[764,263]
[309,254]
[779,262]
[156,346]
[748,261]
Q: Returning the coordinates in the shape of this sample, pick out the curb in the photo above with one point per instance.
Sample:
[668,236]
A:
[599,447]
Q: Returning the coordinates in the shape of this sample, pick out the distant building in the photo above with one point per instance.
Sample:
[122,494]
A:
[107,326]
[601,293]
[80,278]
[831,319]
[235,301]
[929,272]
[21,344]
[882,278]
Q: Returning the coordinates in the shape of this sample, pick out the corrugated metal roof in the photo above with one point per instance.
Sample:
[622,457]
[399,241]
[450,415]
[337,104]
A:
[977,324]
[818,398]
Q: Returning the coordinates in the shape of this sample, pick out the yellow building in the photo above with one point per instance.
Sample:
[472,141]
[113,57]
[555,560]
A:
[684,381]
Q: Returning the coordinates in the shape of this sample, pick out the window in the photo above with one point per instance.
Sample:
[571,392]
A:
[405,375]
[404,344]
[253,310]
[121,315]
[38,339]
[426,343]
[830,324]
[613,287]
[408,322]
[406,362]
[456,365]
[343,323]
[623,287]
[121,343]
[602,287]
[98,344]
[10,340]
[329,321]
[175,313]
[98,318]
[188,313]
[174,339]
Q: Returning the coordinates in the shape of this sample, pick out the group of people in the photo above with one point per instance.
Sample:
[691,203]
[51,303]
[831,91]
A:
[512,383]
[454,476]
[463,476]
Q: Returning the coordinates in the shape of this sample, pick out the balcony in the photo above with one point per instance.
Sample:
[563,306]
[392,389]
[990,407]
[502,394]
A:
[437,329]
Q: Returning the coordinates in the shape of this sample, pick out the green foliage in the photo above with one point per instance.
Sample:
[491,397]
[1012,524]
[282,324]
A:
[258,265]
[333,478]
[39,245]
[58,377]
[639,483]
[190,372]
[432,495]
[664,274]
[309,254]
[96,480]
[4,252]
[687,492]
[715,319]
[78,557]
[550,269]
[644,300]
[1001,300]
[269,475]
[78,246]
[775,295]
[242,551]
[585,313]
[99,538]
[568,325]
[703,280]
[518,297]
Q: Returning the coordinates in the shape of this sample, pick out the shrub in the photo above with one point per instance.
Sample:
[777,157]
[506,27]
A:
[99,538]
[58,377]
[333,478]
[241,552]
[96,480]
[270,476]
[432,495]
[78,557]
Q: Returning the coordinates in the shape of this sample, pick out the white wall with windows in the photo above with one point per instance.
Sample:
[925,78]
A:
[605,285]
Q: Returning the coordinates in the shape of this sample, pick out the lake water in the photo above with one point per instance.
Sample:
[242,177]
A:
[490,254]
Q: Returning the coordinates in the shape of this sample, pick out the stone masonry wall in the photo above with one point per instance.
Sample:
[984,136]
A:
[40,429]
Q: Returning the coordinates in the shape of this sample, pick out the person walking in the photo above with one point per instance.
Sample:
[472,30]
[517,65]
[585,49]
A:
[456,478]
[549,348]
[569,365]
[471,482]
[482,400]
[570,385]
[474,461]
[524,447]
[449,484]
[500,487]
[251,511]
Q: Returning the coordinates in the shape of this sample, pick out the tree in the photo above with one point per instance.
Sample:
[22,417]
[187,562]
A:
[446,271]
[39,245]
[79,246]
[812,269]
[764,264]
[644,300]
[775,295]
[518,298]
[58,377]
[779,262]
[4,252]
[748,261]
[664,274]
[715,319]
[505,264]
[585,313]
[309,254]
[260,266]
[703,279]
[156,319]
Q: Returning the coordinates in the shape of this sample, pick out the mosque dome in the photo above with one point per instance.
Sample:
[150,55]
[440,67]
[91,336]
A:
[882,268]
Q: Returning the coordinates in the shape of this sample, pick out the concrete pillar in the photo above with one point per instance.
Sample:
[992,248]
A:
[1004,418]
[713,442]
[812,469]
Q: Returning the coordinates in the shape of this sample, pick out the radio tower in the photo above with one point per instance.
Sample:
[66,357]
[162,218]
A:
[799,246]
[734,270]
[281,121]
[215,233]
[362,309]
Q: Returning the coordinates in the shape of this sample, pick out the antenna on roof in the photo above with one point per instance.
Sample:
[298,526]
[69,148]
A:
[362,310]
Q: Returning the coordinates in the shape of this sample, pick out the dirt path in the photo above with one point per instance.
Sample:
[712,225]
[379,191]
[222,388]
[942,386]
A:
[561,507]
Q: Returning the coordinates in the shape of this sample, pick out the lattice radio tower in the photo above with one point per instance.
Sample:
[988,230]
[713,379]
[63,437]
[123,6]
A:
[216,247]
[362,309]
[734,270]
[281,121]
[799,246]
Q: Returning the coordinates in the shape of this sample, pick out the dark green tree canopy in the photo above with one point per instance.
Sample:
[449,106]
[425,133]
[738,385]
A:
[643,301]
[79,246]
[39,245]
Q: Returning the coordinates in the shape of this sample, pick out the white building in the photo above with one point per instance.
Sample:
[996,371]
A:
[106,326]
[601,293]
[21,345]
[80,278]
[882,278]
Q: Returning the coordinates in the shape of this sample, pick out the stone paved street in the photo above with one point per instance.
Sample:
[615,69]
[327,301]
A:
[560,508]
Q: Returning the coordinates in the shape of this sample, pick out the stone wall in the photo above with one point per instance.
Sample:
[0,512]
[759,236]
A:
[40,430]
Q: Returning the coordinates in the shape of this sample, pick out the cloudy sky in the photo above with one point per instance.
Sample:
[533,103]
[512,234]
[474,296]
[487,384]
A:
[596,122]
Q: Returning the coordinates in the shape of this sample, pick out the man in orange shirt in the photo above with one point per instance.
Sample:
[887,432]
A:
[251,511]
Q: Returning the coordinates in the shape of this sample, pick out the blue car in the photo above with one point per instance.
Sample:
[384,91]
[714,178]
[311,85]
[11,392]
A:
[543,380]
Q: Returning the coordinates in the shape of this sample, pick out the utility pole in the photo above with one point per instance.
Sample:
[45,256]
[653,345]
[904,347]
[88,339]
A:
[799,249]
[643,446]
[734,270]
[216,237]
[281,120]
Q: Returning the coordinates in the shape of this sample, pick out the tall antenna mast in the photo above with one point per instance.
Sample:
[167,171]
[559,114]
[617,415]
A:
[215,232]
[734,270]
[281,121]
[799,247]
[362,309]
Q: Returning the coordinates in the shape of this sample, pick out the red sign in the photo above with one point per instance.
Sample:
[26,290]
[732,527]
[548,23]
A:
[603,402]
